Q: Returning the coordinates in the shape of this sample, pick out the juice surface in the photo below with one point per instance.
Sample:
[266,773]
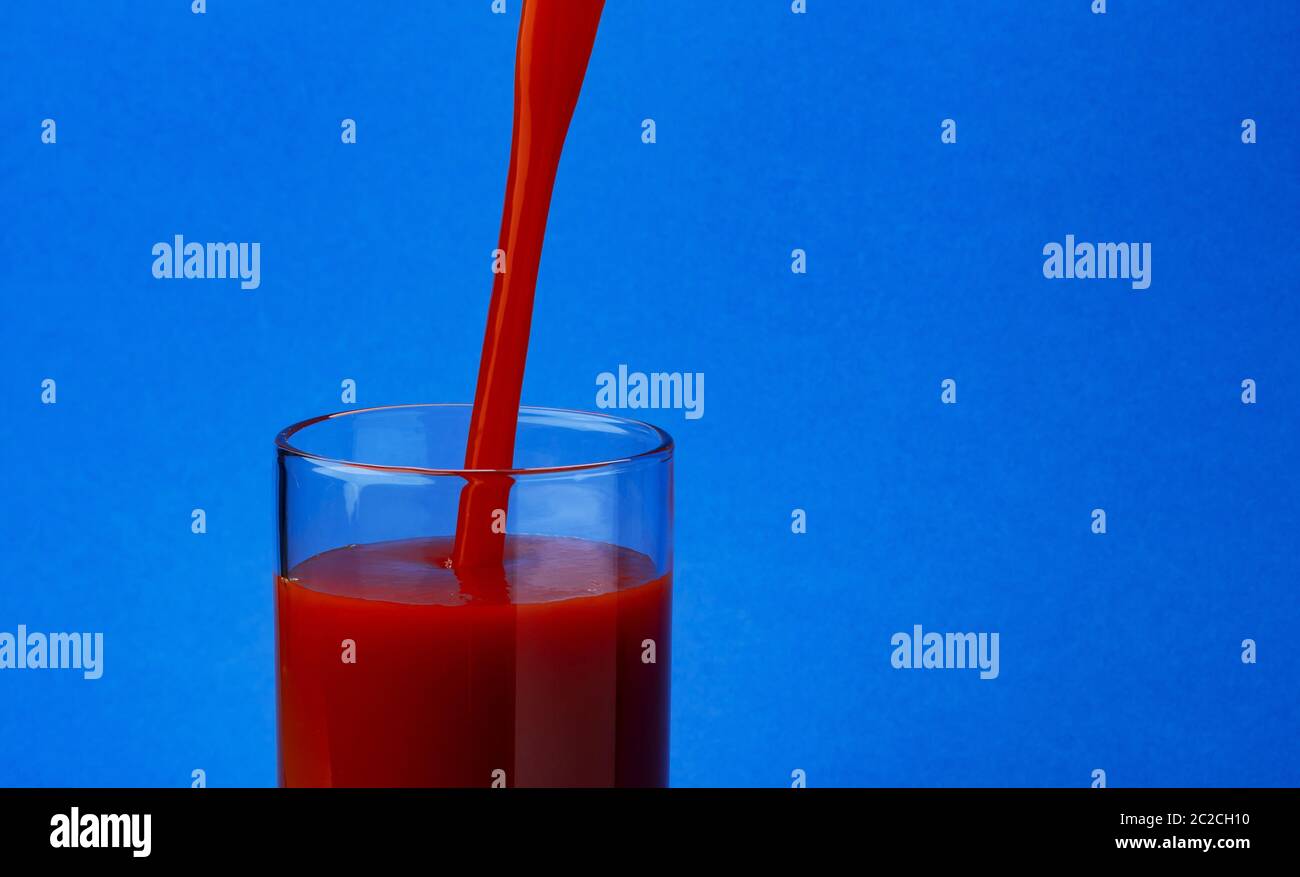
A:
[548,682]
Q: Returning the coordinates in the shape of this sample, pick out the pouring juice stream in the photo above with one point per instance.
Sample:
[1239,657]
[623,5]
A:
[555,41]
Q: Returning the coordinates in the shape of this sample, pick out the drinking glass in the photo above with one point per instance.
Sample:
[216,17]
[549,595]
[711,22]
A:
[398,666]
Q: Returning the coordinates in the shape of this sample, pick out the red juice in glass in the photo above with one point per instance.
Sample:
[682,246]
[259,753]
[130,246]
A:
[550,688]
[529,645]
[396,667]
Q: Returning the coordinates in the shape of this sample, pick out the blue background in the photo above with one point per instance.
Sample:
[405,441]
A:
[775,131]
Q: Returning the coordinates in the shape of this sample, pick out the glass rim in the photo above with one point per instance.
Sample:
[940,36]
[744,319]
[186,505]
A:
[662,449]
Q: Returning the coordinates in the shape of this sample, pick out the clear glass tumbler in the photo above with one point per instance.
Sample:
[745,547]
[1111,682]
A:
[396,667]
